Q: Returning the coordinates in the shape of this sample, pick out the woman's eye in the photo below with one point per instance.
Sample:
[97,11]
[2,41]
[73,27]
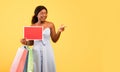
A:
[43,13]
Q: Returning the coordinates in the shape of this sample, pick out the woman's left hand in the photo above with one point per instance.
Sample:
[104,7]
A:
[62,28]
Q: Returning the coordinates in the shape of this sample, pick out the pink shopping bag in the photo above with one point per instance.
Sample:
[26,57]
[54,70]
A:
[21,64]
[19,60]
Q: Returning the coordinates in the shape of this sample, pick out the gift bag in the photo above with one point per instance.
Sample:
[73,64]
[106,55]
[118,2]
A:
[26,62]
[19,60]
[30,61]
[22,61]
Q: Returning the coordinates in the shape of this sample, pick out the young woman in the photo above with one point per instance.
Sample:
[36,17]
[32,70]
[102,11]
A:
[43,56]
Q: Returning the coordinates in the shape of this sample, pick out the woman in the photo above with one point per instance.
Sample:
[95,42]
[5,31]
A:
[42,49]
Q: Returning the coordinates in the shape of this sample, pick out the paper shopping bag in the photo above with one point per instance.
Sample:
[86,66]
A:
[17,58]
[30,61]
[22,61]
[26,62]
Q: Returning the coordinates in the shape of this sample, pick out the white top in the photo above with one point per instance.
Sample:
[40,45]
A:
[43,56]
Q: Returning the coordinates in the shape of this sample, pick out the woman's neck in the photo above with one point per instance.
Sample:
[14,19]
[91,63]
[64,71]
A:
[40,22]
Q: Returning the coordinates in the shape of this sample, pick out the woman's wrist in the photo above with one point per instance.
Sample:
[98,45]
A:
[59,31]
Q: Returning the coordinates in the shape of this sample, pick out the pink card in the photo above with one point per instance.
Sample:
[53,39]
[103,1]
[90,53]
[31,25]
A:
[33,32]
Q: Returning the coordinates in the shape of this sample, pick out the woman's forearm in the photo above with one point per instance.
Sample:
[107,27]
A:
[57,36]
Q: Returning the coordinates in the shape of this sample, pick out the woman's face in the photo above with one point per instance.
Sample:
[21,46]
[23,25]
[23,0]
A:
[42,15]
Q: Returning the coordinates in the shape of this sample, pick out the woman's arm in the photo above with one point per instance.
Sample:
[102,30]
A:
[55,35]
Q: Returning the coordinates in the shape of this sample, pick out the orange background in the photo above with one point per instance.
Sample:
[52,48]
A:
[90,43]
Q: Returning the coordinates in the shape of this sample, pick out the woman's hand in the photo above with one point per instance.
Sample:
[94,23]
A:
[23,41]
[62,28]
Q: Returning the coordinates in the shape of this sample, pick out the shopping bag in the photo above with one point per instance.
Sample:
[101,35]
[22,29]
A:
[26,62]
[18,62]
[30,61]
[22,61]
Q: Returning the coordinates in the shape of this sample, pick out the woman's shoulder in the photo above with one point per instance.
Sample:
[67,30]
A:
[48,22]
[33,25]
[51,24]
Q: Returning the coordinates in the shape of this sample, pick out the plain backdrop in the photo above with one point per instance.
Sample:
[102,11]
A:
[90,43]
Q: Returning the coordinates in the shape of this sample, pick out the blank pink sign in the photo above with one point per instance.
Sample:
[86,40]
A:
[33,32]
